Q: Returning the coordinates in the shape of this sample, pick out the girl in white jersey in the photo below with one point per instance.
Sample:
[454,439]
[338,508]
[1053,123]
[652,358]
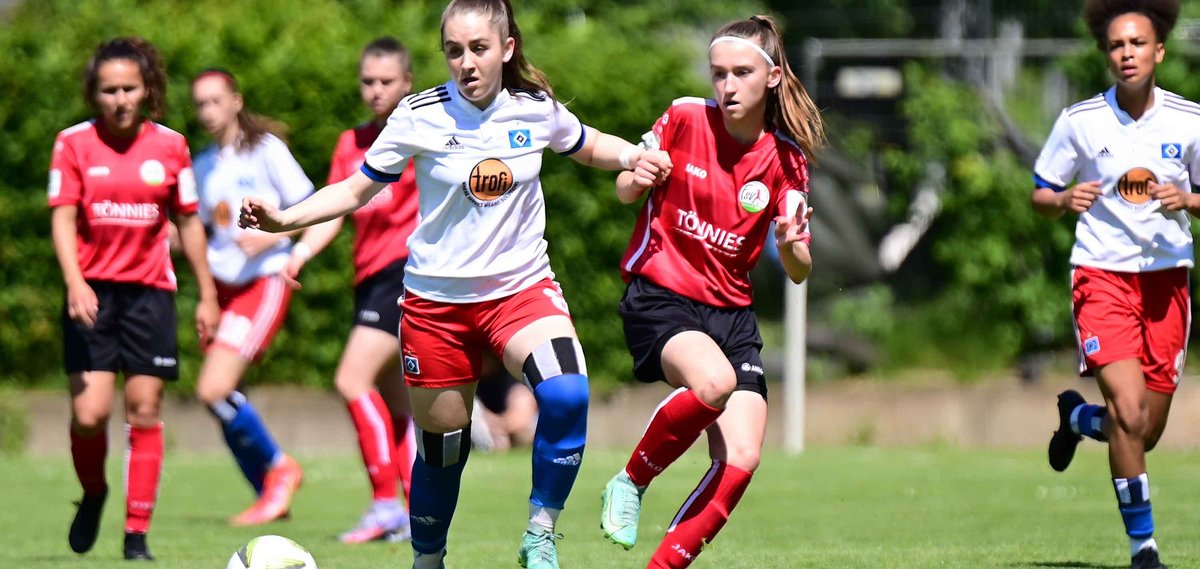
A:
[688,315]
[1126,161]
[478,277]
[246,158]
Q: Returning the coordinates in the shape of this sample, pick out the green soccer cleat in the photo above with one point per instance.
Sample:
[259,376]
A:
[620,507]
[538,550]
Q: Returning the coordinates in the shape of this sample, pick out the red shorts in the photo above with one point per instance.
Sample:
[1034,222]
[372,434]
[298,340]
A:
[251,314]
[1143,316]
[443,342]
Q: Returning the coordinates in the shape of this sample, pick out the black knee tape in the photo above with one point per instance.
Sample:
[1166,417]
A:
[440,450]
[554,358]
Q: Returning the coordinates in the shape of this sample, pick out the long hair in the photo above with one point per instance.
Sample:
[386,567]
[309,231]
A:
[252,126]
[789,108]
[140,52]
[1098,14]
[518,73]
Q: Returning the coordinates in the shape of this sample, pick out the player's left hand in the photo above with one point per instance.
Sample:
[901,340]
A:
[791,230]
[653,166]
[1170,196]
[208,317]
[253,242]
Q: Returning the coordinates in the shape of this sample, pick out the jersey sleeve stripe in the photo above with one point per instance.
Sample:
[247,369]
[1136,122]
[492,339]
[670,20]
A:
[377,175]
[1083,109]
[1041,182]
[1177,107]
[578,143]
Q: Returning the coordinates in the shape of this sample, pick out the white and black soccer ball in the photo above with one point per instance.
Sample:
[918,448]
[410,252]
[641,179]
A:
[272,552]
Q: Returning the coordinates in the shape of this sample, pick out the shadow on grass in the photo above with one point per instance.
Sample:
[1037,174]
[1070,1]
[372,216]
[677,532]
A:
[1066,564]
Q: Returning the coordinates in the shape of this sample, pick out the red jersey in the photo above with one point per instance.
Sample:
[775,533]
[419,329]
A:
[702,230]
[124,192]
[383,225]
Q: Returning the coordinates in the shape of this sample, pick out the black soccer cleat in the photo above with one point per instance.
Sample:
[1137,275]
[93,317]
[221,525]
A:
[1064,441]
[136,548]
[1147,559]
[86,524]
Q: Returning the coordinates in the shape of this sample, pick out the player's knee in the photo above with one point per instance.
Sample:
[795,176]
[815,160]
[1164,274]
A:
[442,450]
[210,394]
[142,413]
[1131,416]
[557,372]
[89,422]
[746,457]
[1151,441]
[714,386]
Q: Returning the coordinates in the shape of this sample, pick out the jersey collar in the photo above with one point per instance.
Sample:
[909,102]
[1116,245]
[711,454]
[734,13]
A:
[469,108]
[1110,97]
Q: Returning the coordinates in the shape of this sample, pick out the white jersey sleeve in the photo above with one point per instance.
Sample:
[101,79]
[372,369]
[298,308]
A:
[1058,163]
[387,157]
[567,134]
[285,173]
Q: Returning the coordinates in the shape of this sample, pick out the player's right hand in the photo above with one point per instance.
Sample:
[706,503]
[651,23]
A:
[1080,197]
[652,168]
[82,304]
[291,272]
[257,214]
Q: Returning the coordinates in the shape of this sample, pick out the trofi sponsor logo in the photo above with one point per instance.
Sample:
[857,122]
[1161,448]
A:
[714,237]
[754,196]
[1134,186]
[489,181]
[153,173]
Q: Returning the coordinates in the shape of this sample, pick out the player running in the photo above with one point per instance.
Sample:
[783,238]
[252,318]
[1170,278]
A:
[478,277]
[738,162]
[1126,161]
[115,181]
[245,159]
[369,376]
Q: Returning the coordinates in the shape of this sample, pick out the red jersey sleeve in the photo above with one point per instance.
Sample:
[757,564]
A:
[184,199]
[661,133]
[339,164]
[66,183]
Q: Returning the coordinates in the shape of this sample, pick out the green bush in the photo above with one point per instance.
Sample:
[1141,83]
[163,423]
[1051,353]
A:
[617,64]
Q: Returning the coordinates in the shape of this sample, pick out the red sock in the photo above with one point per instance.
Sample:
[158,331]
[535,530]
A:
[88,455]
[702,516]
[677,423]
[406,452]
[142,468]
[374,426]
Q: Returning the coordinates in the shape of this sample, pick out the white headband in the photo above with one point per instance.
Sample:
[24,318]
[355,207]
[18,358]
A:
[744,41]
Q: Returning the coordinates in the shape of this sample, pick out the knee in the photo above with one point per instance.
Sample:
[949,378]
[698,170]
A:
[142,413]
[563,396]
[745,457]
[348,386]
[209,394]
[1130,416]
[558,374]
[89,422]
[714,386]
[1150,442]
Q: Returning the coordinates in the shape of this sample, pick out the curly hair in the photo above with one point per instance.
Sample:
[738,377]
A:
[1098,14]
[140,52]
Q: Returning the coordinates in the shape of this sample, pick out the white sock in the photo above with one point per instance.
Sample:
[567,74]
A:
[428,560]
[542,518]
[1137,544]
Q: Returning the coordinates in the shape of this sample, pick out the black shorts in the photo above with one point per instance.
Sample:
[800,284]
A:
[653,315]
[376,299]
[134,333]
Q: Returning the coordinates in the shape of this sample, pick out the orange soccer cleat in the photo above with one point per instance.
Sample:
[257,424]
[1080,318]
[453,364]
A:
[278,488]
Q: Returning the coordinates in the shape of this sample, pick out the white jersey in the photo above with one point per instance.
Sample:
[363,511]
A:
[224,176]
[483,215]
[1125,230]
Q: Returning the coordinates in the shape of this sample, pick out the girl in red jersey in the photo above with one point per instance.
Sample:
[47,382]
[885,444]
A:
[1127,161]
[737,164]
[247,158]
[369,376]
[115,181]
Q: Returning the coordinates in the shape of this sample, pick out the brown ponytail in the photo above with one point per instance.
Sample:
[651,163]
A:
[789,107]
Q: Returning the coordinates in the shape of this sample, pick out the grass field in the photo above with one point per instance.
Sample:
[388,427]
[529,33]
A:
[832,507]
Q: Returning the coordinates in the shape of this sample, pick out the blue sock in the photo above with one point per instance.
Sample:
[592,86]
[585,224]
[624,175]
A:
[247,437]
[436,478]
[1088,420]
[1133,499]
[559,439]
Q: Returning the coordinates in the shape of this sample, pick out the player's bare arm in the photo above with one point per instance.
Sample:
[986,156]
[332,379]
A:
[330,202]
[1078,198]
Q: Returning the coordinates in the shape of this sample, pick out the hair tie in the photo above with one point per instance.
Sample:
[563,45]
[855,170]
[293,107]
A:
[744,41]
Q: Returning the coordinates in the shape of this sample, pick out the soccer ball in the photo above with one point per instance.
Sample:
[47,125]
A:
[272,552]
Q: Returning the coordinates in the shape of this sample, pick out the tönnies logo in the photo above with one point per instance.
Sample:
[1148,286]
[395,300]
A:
[129,212]
[714,237]
[696,171]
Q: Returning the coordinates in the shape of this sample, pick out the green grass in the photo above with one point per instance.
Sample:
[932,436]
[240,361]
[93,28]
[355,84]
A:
[831,507]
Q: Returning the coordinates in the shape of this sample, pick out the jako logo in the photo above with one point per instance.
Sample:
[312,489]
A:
[696,171]
[683,552]
[645,459]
